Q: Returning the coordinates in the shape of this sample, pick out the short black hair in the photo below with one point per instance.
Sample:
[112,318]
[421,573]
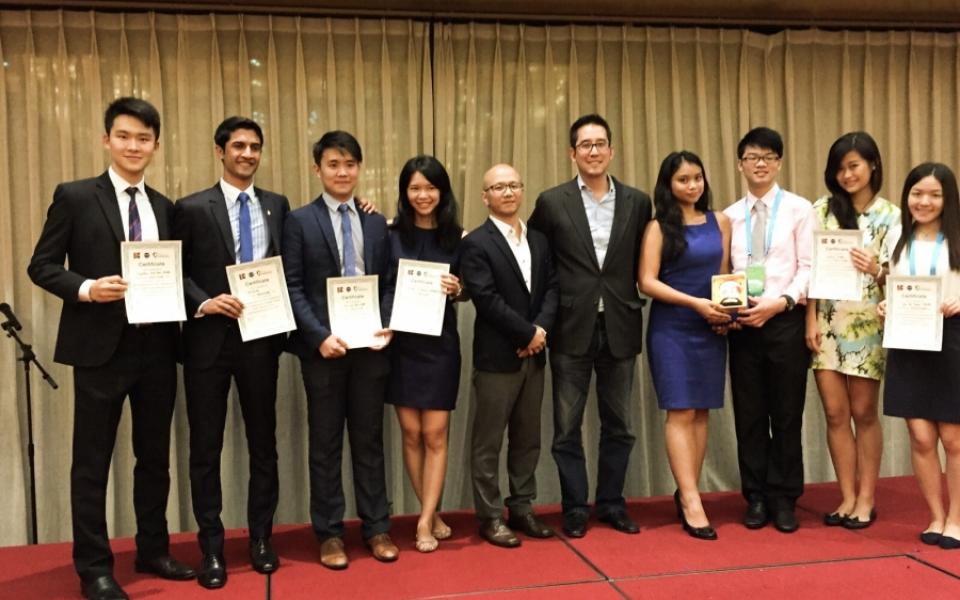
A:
[761,137]
[337,140]
[591,119]
[224,130]
[139,109]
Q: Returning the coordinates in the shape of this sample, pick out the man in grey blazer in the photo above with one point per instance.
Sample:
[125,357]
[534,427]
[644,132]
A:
[594,224]
[229,223]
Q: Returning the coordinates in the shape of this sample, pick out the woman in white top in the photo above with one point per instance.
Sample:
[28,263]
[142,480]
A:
[921,386]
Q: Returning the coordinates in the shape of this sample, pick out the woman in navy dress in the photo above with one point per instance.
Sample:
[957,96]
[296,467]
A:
[425,370]
[683,247]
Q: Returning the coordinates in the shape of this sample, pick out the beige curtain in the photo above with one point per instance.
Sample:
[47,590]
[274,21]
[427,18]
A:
[472,93]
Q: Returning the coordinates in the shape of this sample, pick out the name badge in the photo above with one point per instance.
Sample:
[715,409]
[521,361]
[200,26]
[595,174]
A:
[756,279]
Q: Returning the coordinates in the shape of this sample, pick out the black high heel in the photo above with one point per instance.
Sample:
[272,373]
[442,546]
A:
[700,533]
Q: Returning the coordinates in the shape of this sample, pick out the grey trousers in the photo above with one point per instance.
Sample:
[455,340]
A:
[506,401]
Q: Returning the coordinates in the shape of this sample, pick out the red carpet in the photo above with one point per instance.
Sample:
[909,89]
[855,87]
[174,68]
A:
[884,561]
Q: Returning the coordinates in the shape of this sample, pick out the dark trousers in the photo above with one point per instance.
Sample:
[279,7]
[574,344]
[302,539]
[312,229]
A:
[347,390]
[571,382]
[768,377]
[506,401]
[143,368]
[253,365]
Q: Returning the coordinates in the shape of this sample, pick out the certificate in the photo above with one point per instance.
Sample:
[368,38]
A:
[262,288]
[154,279]
[914,320]
[833,276]
[354,305]
[419,302]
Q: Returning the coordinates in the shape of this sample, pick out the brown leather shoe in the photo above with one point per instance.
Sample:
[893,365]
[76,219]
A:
[332,554]
[497,533]
[383,548]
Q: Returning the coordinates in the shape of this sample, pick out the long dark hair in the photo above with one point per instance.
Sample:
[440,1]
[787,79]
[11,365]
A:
[949,218]
[448,230]
[669,214]
[840,203]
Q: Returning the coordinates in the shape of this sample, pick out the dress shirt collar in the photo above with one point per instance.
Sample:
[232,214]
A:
[508,231]
[611,192]
[333,204]
[767,198]
[231,192]
[120,184]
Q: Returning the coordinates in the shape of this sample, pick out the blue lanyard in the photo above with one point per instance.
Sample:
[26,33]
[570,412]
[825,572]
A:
[768,240]
[933,260]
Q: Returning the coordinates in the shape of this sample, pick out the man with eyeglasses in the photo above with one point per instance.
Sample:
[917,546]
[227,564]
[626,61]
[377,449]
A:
[508,270]
[594,224]
[772,242]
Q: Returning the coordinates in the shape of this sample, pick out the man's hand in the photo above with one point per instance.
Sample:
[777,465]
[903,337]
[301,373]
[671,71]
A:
[333,347]
[366,206]
[224,304]
[386,335]
[537,343]
[108,289]
[761,310]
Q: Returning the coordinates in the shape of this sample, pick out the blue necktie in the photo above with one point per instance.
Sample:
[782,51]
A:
[133,233]
[349,256]
[246,232]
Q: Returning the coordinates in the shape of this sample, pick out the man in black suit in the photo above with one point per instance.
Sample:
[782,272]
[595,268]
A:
[508,272]
[229,223]
[594,224]
[327,238]
[111,358]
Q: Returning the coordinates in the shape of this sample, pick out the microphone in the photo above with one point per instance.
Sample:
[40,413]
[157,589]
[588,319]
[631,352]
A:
[12,321]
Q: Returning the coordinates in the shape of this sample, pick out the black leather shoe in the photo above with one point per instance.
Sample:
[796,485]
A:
[701,533]
[575,524]
[262,556]
[948,543]
[166,567]
[756,515]
[213,572]
[785,520]
[497,533]
[530,525]
[834,519]
[930,538]
[104,587]
[620,521]
[851,522]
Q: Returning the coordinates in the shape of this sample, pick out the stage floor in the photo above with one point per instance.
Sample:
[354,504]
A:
[886,560]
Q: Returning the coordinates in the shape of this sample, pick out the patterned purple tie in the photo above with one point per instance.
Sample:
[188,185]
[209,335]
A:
[133,235]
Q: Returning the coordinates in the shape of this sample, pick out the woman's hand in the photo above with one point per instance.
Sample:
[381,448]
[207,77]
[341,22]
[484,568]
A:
[950,307]
[711,312]
[450,285]
[865,261]
[882,309]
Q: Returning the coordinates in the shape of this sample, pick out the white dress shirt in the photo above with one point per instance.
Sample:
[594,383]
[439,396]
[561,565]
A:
[519,246]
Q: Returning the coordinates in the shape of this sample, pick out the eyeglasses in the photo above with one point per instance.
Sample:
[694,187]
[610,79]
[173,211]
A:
[586,146]
[499,188]
[752,159]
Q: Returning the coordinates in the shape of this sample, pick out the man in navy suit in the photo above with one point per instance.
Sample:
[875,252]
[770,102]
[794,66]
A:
[229,223]
[327,238]
[111,358]
[508,272]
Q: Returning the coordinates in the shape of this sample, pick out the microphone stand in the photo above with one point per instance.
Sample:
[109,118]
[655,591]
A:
[27,358]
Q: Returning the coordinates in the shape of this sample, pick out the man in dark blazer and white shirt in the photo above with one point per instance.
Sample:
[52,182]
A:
[229,223]
[508,272]
[327,238]
[594,224]
[111,358]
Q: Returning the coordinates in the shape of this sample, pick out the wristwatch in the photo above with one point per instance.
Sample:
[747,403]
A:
[790,302]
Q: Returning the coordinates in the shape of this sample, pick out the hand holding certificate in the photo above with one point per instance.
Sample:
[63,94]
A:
[834,276]
[914,320]
[154,279]
[419,301]
[354,308]
[262,288]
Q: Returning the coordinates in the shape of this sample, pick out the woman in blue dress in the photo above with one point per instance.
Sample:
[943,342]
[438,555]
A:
[425,370]
[683,247]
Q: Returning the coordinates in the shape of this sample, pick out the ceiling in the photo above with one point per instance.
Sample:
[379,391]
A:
[916,14]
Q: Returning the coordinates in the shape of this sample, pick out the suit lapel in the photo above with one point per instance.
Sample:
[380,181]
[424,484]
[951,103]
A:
[271,216]
[218,211]
[107,198]
[573,203]
[501,244]
[326,226]
[620,218]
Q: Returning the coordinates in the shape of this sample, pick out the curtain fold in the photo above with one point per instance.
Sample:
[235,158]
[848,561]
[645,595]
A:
[471,93]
